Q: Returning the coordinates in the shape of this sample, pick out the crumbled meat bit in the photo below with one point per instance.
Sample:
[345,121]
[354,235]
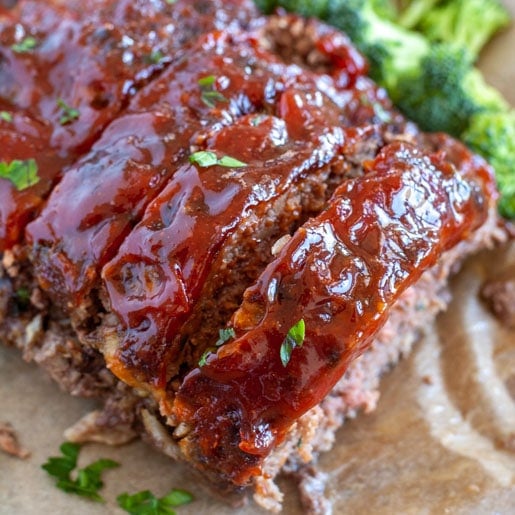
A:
[9,442]
[500,298]
[507,443]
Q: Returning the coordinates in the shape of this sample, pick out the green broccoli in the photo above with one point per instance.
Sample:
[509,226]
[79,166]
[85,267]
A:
[445,91]
[492,134]
[388,47]
[391,50]
[433,84]
[411,12]
[465,23]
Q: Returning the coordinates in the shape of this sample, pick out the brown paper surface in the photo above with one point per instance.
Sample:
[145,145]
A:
[437,443]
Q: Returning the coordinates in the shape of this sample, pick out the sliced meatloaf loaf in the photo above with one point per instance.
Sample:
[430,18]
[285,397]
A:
[233,233]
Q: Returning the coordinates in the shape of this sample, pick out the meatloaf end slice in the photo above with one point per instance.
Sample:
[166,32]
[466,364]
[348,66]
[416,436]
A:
[340,275]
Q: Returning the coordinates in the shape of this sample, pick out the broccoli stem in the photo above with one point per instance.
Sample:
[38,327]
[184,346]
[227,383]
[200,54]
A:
[414,12]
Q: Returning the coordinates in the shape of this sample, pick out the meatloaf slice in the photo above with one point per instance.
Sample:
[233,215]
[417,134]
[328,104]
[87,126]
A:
[338,277]
[158,275]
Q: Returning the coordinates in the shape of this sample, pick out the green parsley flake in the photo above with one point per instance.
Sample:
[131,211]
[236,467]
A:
[224,335]
[88,481]
[155,57]
[205,158]
[209,95]
[146,503]
[25,45]
[203,359]
[294,338]
[69,114]
[230,162]
[23,295]
[256,121]
[22,174]
[6,116]
[207,81]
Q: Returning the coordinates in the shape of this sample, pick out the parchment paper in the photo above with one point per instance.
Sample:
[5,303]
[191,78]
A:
[441,441]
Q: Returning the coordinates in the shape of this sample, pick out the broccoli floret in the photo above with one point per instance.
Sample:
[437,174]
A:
[434,84]
[390,49]
[413,11]
[445,91]
[493,135]
[466,23]
[384,9]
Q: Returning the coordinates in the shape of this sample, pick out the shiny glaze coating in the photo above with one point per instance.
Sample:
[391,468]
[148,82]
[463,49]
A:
[94,57]
[91,57]
[105,194]
[128,167]
[23,138]
[340,273]
[158,274]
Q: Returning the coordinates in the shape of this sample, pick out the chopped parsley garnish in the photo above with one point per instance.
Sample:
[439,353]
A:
[23,294]
[22,174]
[69,114]
[6,117]
[146,503]
[25,45]
[170,2]
[294,338]
[203,359]
[207,81]
[224,335]
[155,57]
[205,158]
[256,121]
[88,480]
[230,162]
[209,95]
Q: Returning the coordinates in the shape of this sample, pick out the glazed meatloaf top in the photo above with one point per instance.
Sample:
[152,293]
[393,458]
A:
[221,222]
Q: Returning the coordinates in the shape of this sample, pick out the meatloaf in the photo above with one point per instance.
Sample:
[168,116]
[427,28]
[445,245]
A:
[231,233]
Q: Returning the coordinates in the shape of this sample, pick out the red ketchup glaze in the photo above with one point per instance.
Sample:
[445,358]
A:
[104,201]
[105,193]
[22,139]
[91,57]
[158,274]
[156,278]
[349,64]
[340,273]
[94,58]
